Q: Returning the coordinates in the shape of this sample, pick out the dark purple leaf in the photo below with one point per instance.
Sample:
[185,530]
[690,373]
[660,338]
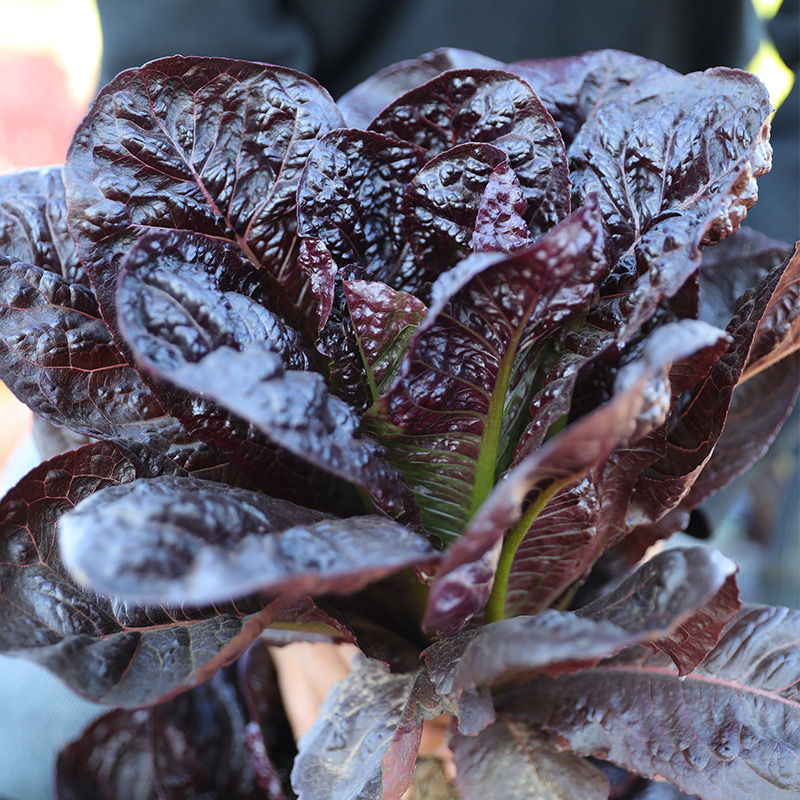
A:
[732,267]
[728,731]
[195,745]
[514,650]
[695,427]
[474,708]
[232,372]
[362,103]
[384,320]
[365,741]
[641,399]
[295,412]
[445,416]
[684,597]
[499,224]
[515,761]
[573,87]
[674,161]
[184,295]
[107,650]
[181,540]
[490,107]
[778,334]
[210,145]
[444,200]
[350,196]
[57,356]
[316,261]
[33,223]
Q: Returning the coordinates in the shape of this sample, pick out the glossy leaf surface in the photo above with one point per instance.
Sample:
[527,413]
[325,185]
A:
[447,405]
[363,102]
[491,107]
[192,542]
[210,145]
[727,731]
[107,650]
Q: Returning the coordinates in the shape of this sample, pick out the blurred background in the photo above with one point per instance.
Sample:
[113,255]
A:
[54,55]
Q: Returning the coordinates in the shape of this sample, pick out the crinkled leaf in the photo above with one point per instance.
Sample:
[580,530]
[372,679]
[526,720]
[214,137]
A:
[57,356]
[729,730]
[361,103]
[515,761]
[107,650]
[674,161]
[198,745]
[182,540]
[684,596]
[444,200]
[446,412]
[184,295]
[317,262]
[33,223]
[294,410]
[778,334]
[232,372]
[350,196]
[642,397]
[384,320]
[491,107]
[573,87]
[210,145]
[499,224]
[366,739]
[698,422]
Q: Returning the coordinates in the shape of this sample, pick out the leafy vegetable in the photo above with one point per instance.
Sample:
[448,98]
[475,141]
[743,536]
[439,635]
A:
[402,372]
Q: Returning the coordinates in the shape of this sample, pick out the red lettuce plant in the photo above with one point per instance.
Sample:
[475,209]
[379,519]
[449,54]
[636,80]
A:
[398,372]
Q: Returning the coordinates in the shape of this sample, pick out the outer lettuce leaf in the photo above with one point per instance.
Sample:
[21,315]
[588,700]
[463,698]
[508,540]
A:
[684,596]
[210,145]
[214,542]
[515,761]
[226,739]
[727,731]
[363,102]
[641,400]
[573,87]
[57,356]
[366,739]
[444,415]
[674,161]
[33,223]
[661,603]
[107,650]
[491,107]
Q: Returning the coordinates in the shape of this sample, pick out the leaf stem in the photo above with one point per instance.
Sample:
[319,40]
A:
[496,607]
